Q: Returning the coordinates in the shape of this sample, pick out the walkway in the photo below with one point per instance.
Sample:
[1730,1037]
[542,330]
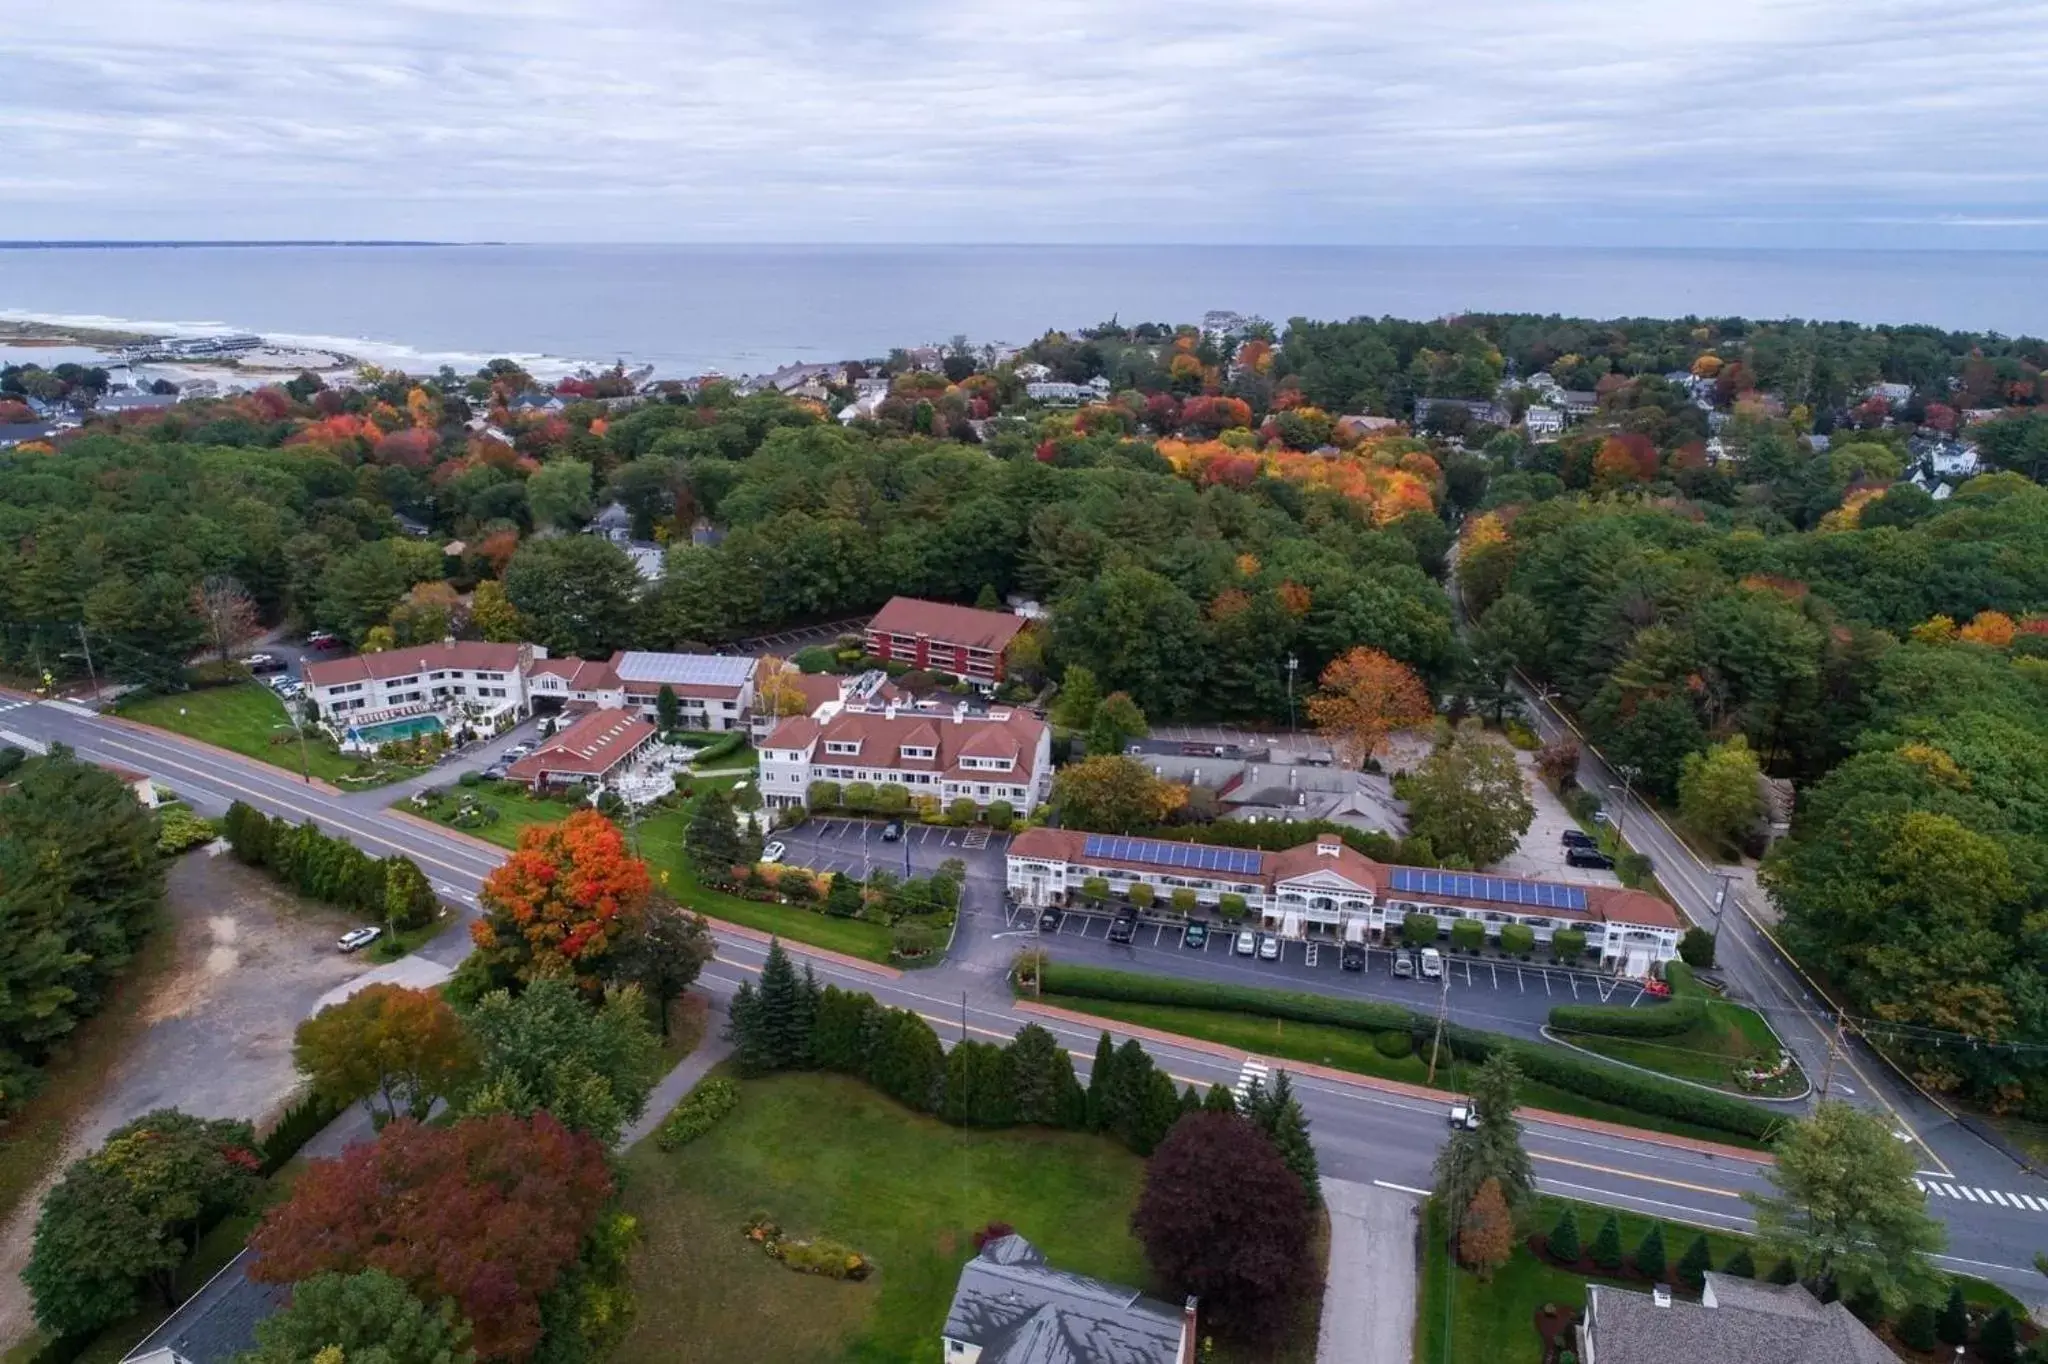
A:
[678,1082]
[1369,1291]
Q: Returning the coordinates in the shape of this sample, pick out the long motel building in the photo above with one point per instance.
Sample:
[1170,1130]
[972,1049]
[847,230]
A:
[1326,889]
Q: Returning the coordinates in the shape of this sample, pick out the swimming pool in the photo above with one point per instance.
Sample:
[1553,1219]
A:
[411,727]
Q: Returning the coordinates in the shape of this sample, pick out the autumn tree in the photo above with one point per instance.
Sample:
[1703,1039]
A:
[1239,1244]
[663,950]
[1367,695]
[1492,1150]
[1719,795]
[122,1219]
[488,1213]
[547,1049]
[1469,798]
[228,613]
[776,688]
[1111,793]
[398,1050]
[1486,1231]
[367,1317]
[492,615]
[556,906]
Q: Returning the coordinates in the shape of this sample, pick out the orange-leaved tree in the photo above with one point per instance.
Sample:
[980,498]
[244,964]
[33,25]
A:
[1486,1233]
[561,902]
[1367,695]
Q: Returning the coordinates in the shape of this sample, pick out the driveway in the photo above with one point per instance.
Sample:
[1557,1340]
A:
[1369,1291]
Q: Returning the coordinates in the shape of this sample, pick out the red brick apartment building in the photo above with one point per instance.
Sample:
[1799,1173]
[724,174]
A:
[936,636]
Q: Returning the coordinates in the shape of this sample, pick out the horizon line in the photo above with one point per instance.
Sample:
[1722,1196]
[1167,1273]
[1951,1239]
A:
[260,243]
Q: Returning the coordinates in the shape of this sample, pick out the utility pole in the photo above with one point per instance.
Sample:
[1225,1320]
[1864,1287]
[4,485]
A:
[1292,663]
[1628,781]
[1835,1039]
[90,671]
[963,1015]
[1720,902]
[1443,1009]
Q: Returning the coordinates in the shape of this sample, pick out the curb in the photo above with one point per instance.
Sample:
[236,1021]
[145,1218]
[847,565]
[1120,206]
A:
[137,727]
[1401,1087]
[1798,1098]
[483,844]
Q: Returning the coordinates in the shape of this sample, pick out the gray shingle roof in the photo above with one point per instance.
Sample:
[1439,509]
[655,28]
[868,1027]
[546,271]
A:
[217,1323]
[1020,1310]
[1751,1323]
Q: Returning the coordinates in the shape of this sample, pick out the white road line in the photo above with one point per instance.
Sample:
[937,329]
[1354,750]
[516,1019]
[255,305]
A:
[1401,1188]
[1968,1193]
[1920,1186]
[2032,1206]
[1948,1191]
[1998,1198]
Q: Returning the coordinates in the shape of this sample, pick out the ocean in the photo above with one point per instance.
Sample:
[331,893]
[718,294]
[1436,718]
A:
[688,310]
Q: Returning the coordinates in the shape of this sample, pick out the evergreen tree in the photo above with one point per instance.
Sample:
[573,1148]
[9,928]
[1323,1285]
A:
[979,1090]
[1953,1326]
[1286,1126]
[1741,1265]
[1649,1257]
[1219,1100]
[788,1003]
[668,711]
[1607,1245]
[1694,1264]
[1123,1100]
[713,835]
[1101,1077]
[907,1063]
[743,1030]
[1158,1110]
[1492,1150]
[1997,1341]
[844,898]
[1190,1101]
[1783,1273]
[1915,1329]
[1042,1079]
[842,1034]
[1564,1238]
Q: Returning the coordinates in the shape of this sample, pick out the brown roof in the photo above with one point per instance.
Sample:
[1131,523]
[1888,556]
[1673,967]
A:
[591,747]
[580,673]
[413,658]
[1605,903]
[937,620]
[881,736]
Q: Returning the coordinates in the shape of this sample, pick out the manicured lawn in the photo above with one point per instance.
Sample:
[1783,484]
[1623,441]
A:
[515,806]
[1458,1318]
[1707,1054]
[249,719]
[1353,1050]
[826,1155]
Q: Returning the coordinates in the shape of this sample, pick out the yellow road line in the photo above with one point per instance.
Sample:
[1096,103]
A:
[1631,1174]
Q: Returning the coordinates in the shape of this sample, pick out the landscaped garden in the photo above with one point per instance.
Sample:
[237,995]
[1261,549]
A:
[250,719]
[1725,1045]
[491,810]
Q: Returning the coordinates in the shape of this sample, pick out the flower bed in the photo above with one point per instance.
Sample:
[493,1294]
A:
[813,1255]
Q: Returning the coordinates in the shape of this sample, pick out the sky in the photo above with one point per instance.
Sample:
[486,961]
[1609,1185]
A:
[1880,123]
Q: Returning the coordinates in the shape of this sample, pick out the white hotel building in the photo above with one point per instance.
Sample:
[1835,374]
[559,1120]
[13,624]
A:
[1003,755]
[1328,890]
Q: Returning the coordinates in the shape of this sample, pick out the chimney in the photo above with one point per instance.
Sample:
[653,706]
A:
[1329,845]
[889,711]
[959,712]
[1707,1298]
[1660,1294]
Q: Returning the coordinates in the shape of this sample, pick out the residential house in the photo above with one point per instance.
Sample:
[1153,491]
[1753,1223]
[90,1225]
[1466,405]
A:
[1328,890]
[1946,458]
[1001,754]
[1011,1307]
[865,405]
[613,522]
[600,745]
[541,404]
[1977,416]
[1358,426]
[1429,409]
[794,378]
[959,641]
[1578,403]
[931,359]
[423,678]
[1543,423]
[1736,1321]
[217,1324]
[1893,394]
[1055,393]
[21,433]
[135,402]
[1034,373]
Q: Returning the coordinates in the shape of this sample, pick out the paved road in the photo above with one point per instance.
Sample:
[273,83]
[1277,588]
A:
[1369,1289]
[1362,1134]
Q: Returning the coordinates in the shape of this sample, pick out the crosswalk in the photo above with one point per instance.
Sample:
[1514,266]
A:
[1965,1193]
[1254,1070]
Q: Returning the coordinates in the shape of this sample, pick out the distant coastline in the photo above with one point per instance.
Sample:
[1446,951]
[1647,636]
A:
[139,245]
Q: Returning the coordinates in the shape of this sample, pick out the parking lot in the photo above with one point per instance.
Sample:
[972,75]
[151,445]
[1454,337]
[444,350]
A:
[856,845]
[1487,993]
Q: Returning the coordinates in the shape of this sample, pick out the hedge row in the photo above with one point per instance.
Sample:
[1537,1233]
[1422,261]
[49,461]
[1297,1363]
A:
[711,1099]
[301,1122]
[1567,1070]
[1687,1007]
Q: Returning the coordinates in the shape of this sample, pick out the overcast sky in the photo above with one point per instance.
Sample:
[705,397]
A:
[1775,122]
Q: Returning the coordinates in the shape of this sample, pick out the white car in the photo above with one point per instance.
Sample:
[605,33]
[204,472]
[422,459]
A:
[773,853]
[1465,1116]
[1432,963]
[1269,948]
[357,938]
[1247,943]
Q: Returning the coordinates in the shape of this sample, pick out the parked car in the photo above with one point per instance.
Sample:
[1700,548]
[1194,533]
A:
[1196,935]
[773,853]
[1655,988]
[357,938]
[1432,963]
[1404,965]
[1247,943]
[1269,948]
[322,642]
[498,771]
[1354,957]
[516,752]
[1589,857]
[1123,927]
[892,831]
[1049,919]
[1465,1116]
[264,663]
[1577,838]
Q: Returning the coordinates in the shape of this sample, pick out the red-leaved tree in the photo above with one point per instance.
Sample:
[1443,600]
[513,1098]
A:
[487,1213]
[561,901]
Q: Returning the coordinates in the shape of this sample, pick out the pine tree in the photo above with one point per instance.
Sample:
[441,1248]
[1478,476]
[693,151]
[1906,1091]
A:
[1042,1075]
[1915,1329]
[844,899]
[1697,1260]
[1741,1265]
[1953,1326]
[1649,1257]
[1785,1272]
[1289,1134]
[713,835]
[1219,1100]
[1123,1102]
[1564,1238]
[788,1004]
[1101,1077]
[1158,1110]
[1190,1101]
[743,1029]
[1607,1245]
[1997,1341]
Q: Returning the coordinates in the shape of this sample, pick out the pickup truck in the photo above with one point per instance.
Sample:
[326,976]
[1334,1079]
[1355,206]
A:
[1465,1116]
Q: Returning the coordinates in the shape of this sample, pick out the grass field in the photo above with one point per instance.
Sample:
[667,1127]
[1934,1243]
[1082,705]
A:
[516,808]
[1707,1054]
[249,719]
[1459,1318]
[826,1155]
[1353,1050]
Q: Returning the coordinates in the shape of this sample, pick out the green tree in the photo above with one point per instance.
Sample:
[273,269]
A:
[409,899]
[1493,1149]
[662,951]
[1997,1342]
[122,1219]
[1564,1237]
[1509,636]
[578,594]
[558,494]
[1694,1264]
[1117,721]
[770,1023]
[668,711]
[713,834]
[547,1048]
[1696,949]
[1110,793]
[359,587]
[1074,707]
[1719,796]
[907,1062]
[1137,632]
[1042,1076]
[1915,1329]
[1953,1326]
[1607,1244]
[363,1318]
[1741,1265]
[1846,1205]
[1277,1113]
[397,1050]
[1468,798]
[1650,1258]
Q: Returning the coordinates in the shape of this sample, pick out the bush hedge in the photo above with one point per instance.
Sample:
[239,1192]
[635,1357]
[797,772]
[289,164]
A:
[301,1122]
[711,1099]
[1393,1045]
[1618,1020]
[1564,1069]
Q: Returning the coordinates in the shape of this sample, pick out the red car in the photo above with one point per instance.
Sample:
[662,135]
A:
[1656,987]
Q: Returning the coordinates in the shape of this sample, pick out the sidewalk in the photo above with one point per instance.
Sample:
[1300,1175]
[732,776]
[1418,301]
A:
[678,1082]
[1369,1289]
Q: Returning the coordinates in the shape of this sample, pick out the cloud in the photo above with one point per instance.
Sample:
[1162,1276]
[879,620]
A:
[1144,120]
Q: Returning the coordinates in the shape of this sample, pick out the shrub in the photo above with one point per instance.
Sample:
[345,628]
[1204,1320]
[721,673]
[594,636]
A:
[1915,1329]
[892,798]
[1521,736]
[1953,1325]
[1741,1265]
[1183,900]
[713,1098]
[816,659]
[1095,890]
[303,1121]
[1694,1264]
[1615,1020]
[1517,940]
[858,796]
[179,830]
[470,779]
[1001,815]
[1696,948]
[11,757]
[1418,930]
[1141,894]
[828,1258]
[961,810]
[1468,935]
[1568,944]
[1232,905]
[1607,1244]
[1649,1256]
[1393,1044]
[1564,1237]
[823,793]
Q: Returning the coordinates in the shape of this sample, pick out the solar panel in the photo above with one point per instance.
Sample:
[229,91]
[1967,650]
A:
[1493,889]
[685,670]
[1193,856]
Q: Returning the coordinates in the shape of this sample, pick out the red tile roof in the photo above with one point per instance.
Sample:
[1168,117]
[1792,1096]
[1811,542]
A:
[580,674]
[415,658]
[591,747]
[937,620]
[882,736]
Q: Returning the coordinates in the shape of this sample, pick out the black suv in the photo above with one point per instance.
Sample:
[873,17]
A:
[1589,857]
[1049,919]
[1354,957]
[1123,927]
[1577,838]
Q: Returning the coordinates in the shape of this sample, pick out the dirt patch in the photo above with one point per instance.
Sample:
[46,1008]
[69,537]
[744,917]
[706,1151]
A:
[250,963]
